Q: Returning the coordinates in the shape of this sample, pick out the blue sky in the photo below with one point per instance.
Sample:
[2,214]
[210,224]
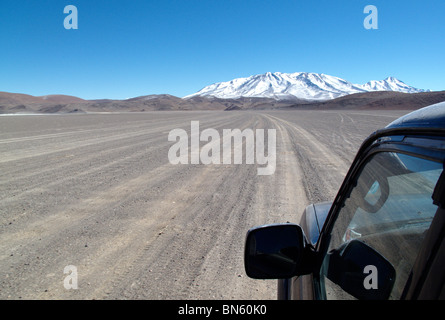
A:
[130,48]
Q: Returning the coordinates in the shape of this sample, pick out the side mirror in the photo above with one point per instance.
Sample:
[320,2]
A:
[361,271]
[274,251]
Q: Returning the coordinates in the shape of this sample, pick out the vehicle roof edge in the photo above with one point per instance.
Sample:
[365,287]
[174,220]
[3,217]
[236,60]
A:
[432,116]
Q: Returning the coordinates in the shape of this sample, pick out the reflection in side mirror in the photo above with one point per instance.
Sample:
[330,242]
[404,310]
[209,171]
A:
[274,251]
[361,271]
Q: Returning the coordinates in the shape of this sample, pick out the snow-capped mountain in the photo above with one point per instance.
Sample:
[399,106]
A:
[300,85]
[390,84]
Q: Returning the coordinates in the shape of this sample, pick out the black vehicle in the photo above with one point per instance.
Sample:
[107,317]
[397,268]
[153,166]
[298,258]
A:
[383,235]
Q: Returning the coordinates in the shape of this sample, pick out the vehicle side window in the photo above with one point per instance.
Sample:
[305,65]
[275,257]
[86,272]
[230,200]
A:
[390,209]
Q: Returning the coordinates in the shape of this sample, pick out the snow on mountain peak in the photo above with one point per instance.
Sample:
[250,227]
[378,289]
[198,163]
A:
[300,85]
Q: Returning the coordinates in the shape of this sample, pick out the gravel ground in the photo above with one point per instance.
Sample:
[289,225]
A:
[97,192]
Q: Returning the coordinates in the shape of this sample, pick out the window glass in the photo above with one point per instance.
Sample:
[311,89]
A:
[390,209]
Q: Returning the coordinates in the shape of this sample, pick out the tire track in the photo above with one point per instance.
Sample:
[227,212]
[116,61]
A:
[322,169]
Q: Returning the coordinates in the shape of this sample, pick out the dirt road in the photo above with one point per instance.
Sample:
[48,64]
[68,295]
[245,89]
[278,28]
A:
[97,192]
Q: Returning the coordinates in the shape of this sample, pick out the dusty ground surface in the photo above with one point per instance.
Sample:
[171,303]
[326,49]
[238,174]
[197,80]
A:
[97,191]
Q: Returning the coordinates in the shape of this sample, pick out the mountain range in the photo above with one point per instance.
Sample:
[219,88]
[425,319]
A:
[265,91]
[299,85]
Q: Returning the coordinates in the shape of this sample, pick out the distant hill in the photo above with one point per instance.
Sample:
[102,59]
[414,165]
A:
[23,103]
[378,100]
[60,98]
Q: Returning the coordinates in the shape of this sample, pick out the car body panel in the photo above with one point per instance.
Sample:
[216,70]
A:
[313,219]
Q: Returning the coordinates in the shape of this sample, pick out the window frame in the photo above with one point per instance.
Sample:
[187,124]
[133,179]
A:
[397,140]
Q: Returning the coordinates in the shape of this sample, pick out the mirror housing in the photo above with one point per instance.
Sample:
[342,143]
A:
[274,251]
[351,267]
